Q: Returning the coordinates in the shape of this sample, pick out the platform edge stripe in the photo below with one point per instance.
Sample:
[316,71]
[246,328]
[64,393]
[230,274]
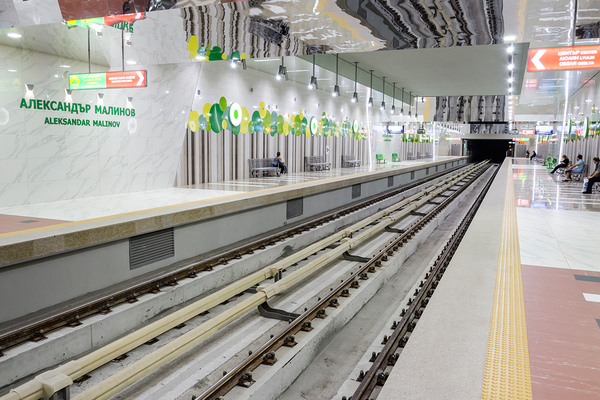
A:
[507,373]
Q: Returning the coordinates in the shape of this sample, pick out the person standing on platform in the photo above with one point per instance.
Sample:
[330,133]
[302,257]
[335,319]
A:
[594,177]
[279,163]
[564,163]
[577,167]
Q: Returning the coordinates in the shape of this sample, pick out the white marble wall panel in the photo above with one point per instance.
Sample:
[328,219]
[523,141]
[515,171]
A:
[12,146]
[43,191]
[141,154]
[13,170]
[43,146]
[83,187]
[13,194]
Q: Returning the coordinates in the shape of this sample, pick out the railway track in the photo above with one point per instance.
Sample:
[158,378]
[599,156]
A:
[36,330]
[109,388]
[266,355]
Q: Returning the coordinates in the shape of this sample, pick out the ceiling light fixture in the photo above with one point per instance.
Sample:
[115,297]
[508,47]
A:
[131,62]
[355,94]
[336,88]
[313,79]
[383,96]
[370,103]
[417,107]
[13,35]
[510,49]
[511,66]
[281,71]
[394,100]
[402,106]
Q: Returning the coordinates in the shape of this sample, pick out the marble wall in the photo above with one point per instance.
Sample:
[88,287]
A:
[41,162]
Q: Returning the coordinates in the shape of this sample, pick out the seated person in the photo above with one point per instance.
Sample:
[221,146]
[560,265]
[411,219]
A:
[278,162]
[577,167]
[533,156]
[564,163]
[594,177]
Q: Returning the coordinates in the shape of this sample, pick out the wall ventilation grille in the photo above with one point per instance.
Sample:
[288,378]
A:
[295,208]
[426,171]
[390,181]
[412,175]
[151,247]
[355,191]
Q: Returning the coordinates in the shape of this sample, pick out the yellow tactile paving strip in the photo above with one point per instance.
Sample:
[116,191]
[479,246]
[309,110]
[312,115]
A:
[507,373]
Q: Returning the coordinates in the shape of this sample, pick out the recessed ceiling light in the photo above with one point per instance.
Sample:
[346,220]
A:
[510,49]
[12,70]
[13,35]
[510,38]
[511,66]
[65,66]
[131,62]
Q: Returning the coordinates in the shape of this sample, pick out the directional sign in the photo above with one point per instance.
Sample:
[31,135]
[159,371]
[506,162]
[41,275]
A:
[108,80]
[125,79]
[564,58]
[123,22]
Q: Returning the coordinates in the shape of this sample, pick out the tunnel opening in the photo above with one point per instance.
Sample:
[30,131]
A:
[484,149]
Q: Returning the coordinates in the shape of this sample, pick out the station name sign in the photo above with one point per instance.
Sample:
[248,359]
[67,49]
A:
[108,80]
[564,58]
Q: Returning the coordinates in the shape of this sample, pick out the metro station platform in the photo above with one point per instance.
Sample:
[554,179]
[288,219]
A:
[517,313]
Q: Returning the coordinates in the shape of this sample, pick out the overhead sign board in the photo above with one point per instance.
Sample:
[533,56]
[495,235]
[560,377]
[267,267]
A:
[409,131]
[528,132]
[564,58]
[123,22]
[108,80]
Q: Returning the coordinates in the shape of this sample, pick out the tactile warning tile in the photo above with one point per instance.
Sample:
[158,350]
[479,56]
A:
[507,373]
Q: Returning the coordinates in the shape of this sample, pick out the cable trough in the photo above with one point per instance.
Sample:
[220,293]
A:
[241,375]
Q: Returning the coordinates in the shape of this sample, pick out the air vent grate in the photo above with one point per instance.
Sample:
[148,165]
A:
[412,175]
[295,208]
[390,181]
[151,247]
[426,171]
[356,191]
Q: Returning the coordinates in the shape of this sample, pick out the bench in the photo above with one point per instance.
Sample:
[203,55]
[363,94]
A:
[349,161]
[428,155]
[410,156]
[420,155]
[380,159]
[260,166]
[316,163]
[395,157]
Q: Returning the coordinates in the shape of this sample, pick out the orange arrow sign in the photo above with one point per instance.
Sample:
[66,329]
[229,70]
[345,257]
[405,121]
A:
[564,58]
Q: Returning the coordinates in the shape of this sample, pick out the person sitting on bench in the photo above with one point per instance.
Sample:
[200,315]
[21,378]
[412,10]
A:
[594,177]
[278,162]
[577,167]
[564,163]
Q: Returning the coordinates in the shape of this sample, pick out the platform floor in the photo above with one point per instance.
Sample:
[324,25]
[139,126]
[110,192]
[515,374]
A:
[560,261]
[20,219]
[560,271]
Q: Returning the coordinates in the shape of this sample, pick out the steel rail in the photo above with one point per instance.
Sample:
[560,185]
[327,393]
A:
[240,372]
[36,330]
[41,385]
[376,374]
